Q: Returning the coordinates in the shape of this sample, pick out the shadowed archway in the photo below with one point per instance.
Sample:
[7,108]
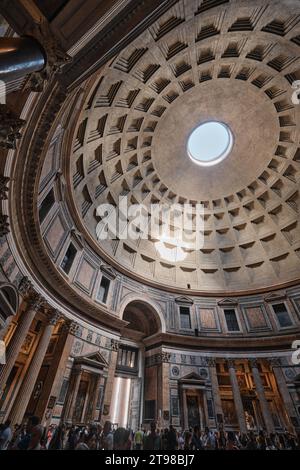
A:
[142,318]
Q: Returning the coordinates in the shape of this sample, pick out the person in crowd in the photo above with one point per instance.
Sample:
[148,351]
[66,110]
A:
[231,441]
[57,439]
[187,441]
[121,439]
[261,441]
[221,437]
[5,435]
[274,441]
[18,434]
[164,438]
[242,441]
[138,439]
[73,438]
[36,432]
[107,438]
[291,442]
[196,442]
[251,442]
[153,440]
[172,442]
[209,440]
[181,441]
[83,442]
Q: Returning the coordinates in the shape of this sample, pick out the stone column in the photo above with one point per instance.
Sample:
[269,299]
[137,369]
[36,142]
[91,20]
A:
[237,397]
[26,389]
[71,405]
[284,392]
[95,414]
[165,398]
[205,408]
[265,409]
[215,387]
[19,57]
[185,409]
[18,339]
[55,376]
[106,415]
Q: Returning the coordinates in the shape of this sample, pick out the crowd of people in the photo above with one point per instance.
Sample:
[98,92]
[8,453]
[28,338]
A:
[33,436]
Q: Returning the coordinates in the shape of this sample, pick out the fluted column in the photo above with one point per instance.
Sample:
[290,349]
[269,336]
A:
[106,415]
[26,389]
[215,388]
[265,409]
[284,392]
[18,339]
[237,397]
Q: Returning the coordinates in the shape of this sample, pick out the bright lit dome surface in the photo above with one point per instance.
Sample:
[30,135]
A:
[210,143]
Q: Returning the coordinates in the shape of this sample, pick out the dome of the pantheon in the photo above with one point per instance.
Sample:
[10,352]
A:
[232,62]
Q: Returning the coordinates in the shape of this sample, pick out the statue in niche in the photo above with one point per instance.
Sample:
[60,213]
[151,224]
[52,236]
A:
[250,423]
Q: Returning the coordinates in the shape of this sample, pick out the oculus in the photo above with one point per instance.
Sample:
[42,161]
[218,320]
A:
[210,143]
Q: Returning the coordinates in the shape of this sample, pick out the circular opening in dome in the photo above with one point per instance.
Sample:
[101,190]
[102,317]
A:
[210,143]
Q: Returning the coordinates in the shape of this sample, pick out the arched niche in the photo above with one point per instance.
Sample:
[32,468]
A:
[9,303]
[143,318]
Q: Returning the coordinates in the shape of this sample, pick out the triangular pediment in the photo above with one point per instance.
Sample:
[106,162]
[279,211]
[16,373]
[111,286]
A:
[192,377]
[184,300]
[96,359]
[275,296]
[227,303]
[108,271]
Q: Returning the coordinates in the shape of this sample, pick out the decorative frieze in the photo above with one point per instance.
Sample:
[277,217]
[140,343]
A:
[114,345]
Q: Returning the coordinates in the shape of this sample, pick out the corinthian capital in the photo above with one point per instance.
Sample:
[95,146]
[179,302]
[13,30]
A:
[10,125]
[37,302]
[25,286]
[56,56]
[4,224]
[4,180]
[231,363]
[253,363]
[211,362]
[53,316]
[70,326]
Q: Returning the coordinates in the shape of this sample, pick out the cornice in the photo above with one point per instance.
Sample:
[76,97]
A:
[217,343]
[132,21]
